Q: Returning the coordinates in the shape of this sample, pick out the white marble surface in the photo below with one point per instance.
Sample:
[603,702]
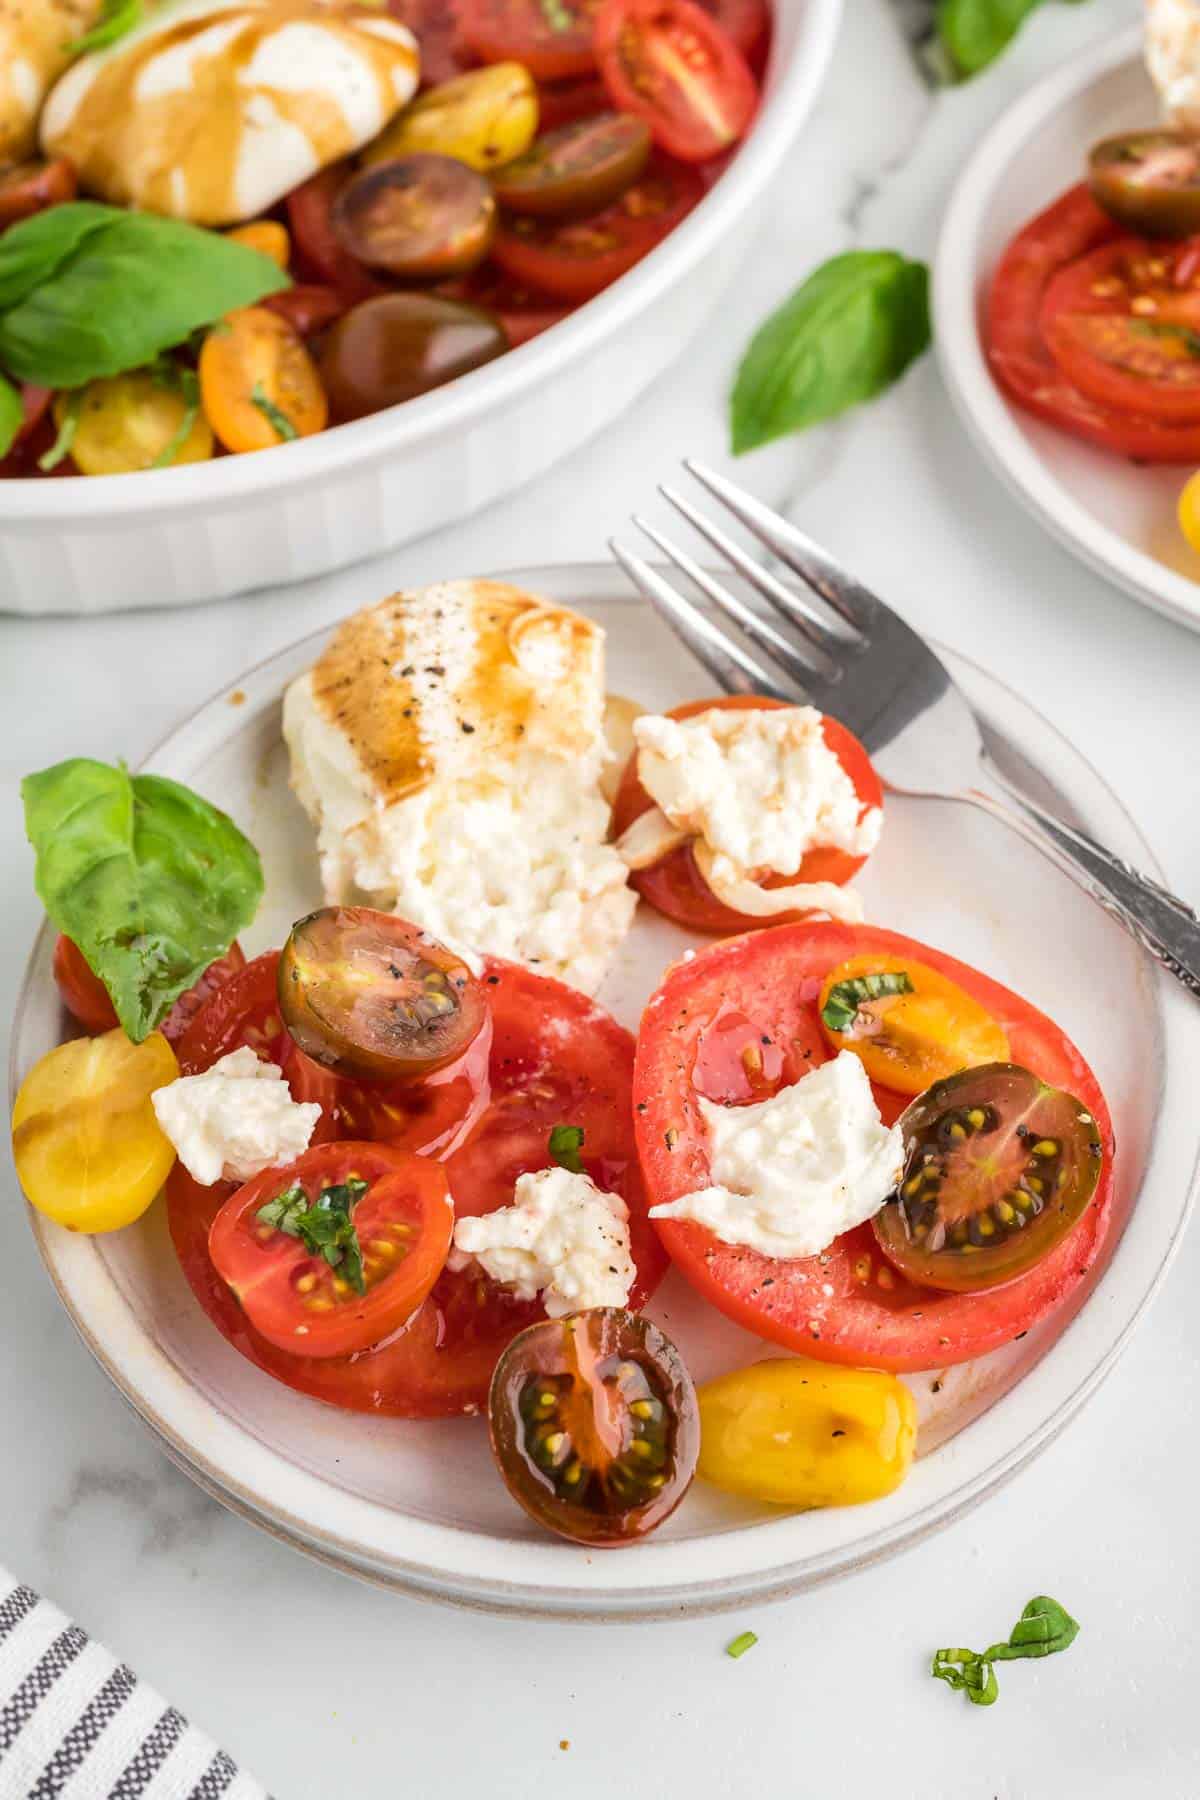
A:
[326,1687]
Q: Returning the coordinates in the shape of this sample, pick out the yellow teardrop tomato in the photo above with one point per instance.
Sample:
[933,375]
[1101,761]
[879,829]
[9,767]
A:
[89,1151]
[267,236]
[907,1041]
[484,118]
[793,1432]
[127,422]
[258,383]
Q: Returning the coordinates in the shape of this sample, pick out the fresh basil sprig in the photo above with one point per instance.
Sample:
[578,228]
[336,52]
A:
[1043,1629]
[150,881]
[275,416]
[974,32]
[117,19]
[324,1226]
[847,333]
[841,1007]
[566,1141]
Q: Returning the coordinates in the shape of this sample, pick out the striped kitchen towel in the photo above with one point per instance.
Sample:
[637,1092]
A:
[76,1724]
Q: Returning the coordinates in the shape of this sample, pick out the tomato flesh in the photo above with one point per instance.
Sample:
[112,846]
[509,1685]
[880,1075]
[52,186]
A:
[418,217]
[847,1305]
[671,63]
[553,38]
[577,169]
[1123,329]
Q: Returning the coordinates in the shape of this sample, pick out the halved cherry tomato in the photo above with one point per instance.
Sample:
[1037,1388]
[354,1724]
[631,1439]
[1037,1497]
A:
[85,996]
[484,118]
[435,25]
[31,187]
[521,312]
[675,887]
[1148,181]
[267,236]
[999,1169]
[594,1425]
[258,384]
[553,38]
[1020,361]
[127,423]
[1125,332]
[577,169]
[318,247]
[563,102]
[335,1251]
[370,996]
[419,217]
[748,23]
[670,62]
[556,1059]
[578,258]
[847,1305]
[920,1027]
[401,345]
[307,307]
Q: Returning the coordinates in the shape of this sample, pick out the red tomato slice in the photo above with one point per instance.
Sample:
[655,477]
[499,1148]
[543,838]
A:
[747,22]
[566,102]
[556,1059]
[320,252]
[435,25]
[1124,330]
[291,1295]
[846,1305]
[576,258]
[674,65]
[675,887]
[553,38]
[85,996]
[1020,361]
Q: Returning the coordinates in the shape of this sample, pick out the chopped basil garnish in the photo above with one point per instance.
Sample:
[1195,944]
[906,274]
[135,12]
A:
[566,1141]
[186,383]
[60,449]
[745,1640]
[1043,1629]
[841,1008]
[324,1225]
[276,418]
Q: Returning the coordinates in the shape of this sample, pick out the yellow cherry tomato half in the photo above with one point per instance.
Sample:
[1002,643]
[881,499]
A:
[132,422]
[258,384]
[792,1432]
[267,236]
[88,1149]
[484,119]
[1189,510]
[907,1038]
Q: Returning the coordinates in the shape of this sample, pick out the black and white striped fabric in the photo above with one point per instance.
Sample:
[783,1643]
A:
[75,1725]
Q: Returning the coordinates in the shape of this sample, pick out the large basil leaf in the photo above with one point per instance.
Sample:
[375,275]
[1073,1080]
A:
[137,285]
[150,881]
[851,330]
[32,250]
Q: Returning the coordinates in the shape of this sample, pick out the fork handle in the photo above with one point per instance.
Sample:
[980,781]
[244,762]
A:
[1162,923]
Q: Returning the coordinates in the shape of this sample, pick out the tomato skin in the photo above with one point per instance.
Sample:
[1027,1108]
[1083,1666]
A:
[1016,351]
[404,1223]
[748,23]
[437,27]
[565,102]
[31,187]
[320,251]
[85,996]
[556,1058]
[674,885]
[670,62]
[847,1305]
[307,307]
[521,31]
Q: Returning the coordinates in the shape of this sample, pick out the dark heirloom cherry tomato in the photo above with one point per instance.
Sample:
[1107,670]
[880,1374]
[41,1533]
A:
[670,62]
[576,258]
[577,169]
[307,307]
[401,345]
[1149,181]
[419,217]
[999,1168]
[553,38]
[521,310]
[595,1426]
[435,25]
[374,998]
[30,187]
[319,250]
[85,996]
[392,1227]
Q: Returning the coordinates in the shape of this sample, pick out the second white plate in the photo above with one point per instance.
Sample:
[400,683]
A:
[1116,517]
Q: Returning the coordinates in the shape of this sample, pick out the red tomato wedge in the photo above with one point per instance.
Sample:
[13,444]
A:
[747,22]
[85,996]
[399,1230]
[671,62]
[675,887]
[847,1305]
[320,252]
[1073,227]
[566,102]
[557,1058]
[576,258]
[553,38]
[308,307]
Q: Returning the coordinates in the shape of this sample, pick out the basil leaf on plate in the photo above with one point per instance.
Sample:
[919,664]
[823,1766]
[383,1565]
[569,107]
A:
[33,249]
[128,289]
[847,333]
[12,415]
[564,1145]
[150,881]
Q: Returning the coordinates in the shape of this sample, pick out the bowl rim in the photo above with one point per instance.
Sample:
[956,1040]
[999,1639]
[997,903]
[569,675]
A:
[667,1578]
[230,482]
[988,416]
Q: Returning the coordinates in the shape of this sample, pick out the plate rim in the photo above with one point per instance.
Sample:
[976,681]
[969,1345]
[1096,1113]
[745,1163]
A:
[559,1583]
[988,417]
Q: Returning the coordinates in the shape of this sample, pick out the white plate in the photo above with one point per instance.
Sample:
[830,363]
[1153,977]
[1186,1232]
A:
[1118,518]
[418,1505]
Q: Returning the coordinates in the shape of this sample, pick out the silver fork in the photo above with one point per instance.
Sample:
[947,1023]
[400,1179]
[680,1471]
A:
[840,648]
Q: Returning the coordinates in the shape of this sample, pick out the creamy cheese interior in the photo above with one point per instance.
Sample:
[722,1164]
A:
[448,747]
[212,110]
